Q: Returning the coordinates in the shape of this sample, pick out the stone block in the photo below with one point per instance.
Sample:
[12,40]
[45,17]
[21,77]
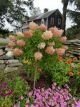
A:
[10,69]
[2,67]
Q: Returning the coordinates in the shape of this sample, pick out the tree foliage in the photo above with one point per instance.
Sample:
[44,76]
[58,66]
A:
[14,11]
[4,4]
[65,5]
[75,15]
[35,11]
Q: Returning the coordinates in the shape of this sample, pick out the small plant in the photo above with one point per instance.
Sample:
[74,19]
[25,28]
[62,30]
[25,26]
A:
[6,102]
[51,97]
[20,88]
[5,90]
[5,95]
[3,43]
[60,73]
[73,75]
[12,92]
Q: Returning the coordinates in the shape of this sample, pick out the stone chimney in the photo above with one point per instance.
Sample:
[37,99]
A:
[45,10]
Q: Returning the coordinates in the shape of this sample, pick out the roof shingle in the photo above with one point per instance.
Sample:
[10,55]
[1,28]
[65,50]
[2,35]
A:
[42,15]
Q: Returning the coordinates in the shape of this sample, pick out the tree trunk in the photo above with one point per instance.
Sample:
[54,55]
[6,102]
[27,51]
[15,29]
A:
[65,4]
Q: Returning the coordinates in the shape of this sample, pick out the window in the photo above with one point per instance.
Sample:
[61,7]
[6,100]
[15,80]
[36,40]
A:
[42,21]
[59,21]
[52,21]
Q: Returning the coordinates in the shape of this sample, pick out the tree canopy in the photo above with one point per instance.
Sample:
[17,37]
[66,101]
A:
[14,11]
[65,5]
[75,15]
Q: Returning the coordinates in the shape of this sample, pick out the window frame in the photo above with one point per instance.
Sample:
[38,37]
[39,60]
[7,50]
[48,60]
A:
[59,21]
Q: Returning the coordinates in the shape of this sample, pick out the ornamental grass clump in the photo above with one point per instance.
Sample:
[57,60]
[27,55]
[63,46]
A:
[39,47]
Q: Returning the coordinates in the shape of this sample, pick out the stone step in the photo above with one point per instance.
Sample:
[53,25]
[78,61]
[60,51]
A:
[14,65]
[11,62]
[10,69]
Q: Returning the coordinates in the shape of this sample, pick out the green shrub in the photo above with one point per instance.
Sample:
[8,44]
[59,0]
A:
[6,102]
[28,45]
[20,88]
[73,32]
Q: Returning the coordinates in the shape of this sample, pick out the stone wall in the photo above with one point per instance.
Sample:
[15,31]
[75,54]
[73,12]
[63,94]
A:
[10,65]
[7,61]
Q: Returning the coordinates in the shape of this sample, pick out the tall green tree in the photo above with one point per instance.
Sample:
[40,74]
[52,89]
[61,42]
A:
[35,11]
[3,10]
[65,5]
[75,15]
[14,11]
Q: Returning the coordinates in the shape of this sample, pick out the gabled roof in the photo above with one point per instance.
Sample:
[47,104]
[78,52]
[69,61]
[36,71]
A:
[43,15]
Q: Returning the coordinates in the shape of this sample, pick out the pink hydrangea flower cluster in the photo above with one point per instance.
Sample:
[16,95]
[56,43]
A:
[12,38]
[41,45]
[47,35]
[28,34]
[33,26]
[50,50]
[63,39]
[17,52]
[21,43]
[51,97]
[20,34]
[60,51]
[12,44]
[38,55]
[43,27]
[56,31]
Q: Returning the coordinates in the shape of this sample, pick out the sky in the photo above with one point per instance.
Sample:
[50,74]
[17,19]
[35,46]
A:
[51,5]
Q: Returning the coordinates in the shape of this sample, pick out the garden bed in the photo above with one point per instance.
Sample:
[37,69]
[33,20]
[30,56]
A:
[48,78]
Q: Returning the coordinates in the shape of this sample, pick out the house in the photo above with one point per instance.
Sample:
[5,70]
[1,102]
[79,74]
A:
[49,18]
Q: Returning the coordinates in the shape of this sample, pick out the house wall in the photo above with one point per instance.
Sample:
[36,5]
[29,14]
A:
[58,20]
[55,20]
[46,21]
[38,21]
